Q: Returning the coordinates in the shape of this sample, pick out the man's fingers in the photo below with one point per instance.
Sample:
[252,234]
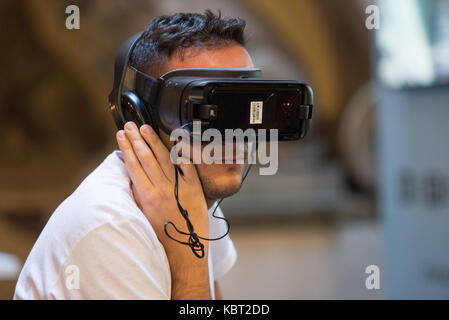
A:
[133,166]
[155,160]
[160,151]
[144,154]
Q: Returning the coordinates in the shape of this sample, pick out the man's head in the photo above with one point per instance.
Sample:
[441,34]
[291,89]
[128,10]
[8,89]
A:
[191,40]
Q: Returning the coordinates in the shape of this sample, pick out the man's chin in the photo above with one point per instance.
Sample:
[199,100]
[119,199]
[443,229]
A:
[223,186]
[213,195]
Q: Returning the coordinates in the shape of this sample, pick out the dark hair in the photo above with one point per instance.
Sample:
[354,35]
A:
[168,35]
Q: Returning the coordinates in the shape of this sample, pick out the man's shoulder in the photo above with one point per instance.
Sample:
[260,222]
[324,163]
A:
[103,197]
[101,208]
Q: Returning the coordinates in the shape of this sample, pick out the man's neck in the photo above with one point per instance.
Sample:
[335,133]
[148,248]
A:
[210,203]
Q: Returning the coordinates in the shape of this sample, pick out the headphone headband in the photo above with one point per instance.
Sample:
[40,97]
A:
[120,66]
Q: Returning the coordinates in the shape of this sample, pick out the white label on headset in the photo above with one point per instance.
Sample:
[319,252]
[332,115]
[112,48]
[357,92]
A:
[255,114]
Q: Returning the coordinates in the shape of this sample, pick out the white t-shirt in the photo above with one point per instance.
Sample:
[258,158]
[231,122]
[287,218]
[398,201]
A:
[100,241]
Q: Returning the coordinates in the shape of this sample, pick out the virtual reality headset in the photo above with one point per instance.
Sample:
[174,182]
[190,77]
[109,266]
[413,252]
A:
[219,98]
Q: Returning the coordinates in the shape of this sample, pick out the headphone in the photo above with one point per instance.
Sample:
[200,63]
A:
[133,93]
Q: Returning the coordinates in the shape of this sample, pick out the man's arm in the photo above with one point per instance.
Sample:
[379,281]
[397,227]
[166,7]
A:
[152,176]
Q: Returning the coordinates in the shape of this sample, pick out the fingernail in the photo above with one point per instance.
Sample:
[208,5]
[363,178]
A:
[120,135]
[130,126]
[146,128]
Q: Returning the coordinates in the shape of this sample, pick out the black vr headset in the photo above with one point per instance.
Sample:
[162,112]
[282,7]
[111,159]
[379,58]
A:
[220,98]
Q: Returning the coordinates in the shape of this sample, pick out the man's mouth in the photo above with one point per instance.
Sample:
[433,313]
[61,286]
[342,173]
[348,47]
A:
[236,159]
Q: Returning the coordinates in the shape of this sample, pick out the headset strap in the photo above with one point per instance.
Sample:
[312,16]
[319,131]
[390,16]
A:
[146,87]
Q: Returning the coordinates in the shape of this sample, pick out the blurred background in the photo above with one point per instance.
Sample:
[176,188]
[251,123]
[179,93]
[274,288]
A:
[368,186]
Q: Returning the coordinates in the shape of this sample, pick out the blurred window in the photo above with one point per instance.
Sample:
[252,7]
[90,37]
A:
[413,41]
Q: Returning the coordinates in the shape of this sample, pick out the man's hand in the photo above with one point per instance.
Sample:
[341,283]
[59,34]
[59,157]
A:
[152,181]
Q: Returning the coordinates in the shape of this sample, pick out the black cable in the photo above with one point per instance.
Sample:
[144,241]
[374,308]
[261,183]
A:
[194,239]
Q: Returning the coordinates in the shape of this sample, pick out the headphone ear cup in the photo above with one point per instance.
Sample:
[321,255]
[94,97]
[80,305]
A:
[133,109]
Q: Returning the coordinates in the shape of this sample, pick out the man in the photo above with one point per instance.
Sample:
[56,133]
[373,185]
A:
[107,240]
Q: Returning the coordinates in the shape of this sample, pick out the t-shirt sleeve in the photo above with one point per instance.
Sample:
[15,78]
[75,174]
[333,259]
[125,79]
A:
[114,261]
[224,254]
